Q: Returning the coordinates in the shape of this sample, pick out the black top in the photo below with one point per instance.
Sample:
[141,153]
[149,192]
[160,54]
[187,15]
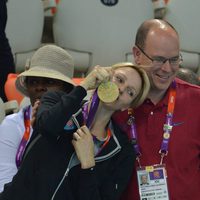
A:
[49,159]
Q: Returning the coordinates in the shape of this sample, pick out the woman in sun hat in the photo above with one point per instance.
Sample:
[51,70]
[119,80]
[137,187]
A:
[50,69]
[96,160]
[50,62]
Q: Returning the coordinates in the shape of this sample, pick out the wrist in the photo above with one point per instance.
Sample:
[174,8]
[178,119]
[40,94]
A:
[84,85]
[87,165]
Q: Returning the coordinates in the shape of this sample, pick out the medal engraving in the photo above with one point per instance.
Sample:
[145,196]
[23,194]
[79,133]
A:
[108,92]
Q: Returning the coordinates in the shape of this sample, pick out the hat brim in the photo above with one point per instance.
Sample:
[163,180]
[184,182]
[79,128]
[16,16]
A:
[39,72]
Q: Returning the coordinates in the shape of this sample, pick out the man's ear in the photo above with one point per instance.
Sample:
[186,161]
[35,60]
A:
[136,54]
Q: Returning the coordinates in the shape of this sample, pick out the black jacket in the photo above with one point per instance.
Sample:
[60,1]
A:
[48,160]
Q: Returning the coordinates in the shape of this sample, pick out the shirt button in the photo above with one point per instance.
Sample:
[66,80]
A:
[151,113]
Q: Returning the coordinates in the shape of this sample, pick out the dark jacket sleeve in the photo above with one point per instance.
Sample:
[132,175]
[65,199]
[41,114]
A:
[21,185]
[56,109]
[119,171]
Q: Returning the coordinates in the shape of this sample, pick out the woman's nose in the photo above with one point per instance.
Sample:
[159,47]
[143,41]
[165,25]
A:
[121,89]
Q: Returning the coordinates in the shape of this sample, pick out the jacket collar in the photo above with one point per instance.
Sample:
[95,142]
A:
[113,147]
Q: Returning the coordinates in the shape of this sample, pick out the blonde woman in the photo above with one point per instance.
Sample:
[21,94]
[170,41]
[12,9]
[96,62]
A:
[95,161]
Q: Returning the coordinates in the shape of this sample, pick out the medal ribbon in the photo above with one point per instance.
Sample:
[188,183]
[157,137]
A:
[89,117]
[25,138]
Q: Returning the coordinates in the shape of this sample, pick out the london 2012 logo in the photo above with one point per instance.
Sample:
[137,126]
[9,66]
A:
[109,2]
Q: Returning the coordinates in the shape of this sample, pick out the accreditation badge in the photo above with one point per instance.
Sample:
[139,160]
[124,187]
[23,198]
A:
[152,182]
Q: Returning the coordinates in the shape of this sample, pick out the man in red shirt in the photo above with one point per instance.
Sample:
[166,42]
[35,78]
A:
[170,124]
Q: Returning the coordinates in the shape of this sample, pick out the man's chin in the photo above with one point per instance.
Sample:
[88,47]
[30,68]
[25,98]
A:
[162,84]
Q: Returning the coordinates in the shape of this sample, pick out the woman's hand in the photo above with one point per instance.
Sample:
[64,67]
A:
[84,147]
[34,112]
[96,76]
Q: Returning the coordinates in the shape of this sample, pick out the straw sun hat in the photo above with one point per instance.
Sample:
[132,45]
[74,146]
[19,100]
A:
[49,61]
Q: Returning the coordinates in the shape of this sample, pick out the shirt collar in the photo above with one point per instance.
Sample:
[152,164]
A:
[162,102]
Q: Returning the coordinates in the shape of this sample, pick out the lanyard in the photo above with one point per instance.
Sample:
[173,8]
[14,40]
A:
[89,116]
[167,127]
[25,138]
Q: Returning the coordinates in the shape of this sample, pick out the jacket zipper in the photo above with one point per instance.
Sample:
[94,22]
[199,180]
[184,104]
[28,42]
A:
[63,178]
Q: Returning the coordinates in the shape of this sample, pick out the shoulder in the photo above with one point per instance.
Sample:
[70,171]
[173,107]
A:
[12,128]
[181,85]
[15,118]
[13,125]
[187,91]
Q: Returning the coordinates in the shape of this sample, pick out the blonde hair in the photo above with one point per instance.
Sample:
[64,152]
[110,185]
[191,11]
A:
[145,82]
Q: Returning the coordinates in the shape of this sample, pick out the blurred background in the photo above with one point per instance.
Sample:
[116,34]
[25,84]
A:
[95,31]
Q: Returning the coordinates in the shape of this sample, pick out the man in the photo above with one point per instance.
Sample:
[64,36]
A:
[6,58]
[167,129]
[50,69]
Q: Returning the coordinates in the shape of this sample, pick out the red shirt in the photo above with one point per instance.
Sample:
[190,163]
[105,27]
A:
[183,159]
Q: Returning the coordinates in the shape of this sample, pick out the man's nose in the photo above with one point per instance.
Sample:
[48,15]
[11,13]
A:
[166,66]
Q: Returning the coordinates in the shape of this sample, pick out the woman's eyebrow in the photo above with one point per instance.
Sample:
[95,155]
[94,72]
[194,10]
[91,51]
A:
[121,74]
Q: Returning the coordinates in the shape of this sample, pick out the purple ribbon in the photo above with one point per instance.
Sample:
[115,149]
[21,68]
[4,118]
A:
[23,142]
[89,117]
[133,136]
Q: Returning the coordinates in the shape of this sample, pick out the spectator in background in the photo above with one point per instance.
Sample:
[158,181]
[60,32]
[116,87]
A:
[6,58]
[50,68]
[188,75]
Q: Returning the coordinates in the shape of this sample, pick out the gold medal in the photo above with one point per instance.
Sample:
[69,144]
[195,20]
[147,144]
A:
[108,92]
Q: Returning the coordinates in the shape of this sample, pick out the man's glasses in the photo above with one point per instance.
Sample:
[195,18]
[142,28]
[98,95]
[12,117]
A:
[159,60]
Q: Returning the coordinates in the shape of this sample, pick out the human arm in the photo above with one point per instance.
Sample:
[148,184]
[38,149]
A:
[56,108]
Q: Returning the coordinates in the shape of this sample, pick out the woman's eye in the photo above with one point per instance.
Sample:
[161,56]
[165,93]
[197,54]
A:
[130,92]
[119,79]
